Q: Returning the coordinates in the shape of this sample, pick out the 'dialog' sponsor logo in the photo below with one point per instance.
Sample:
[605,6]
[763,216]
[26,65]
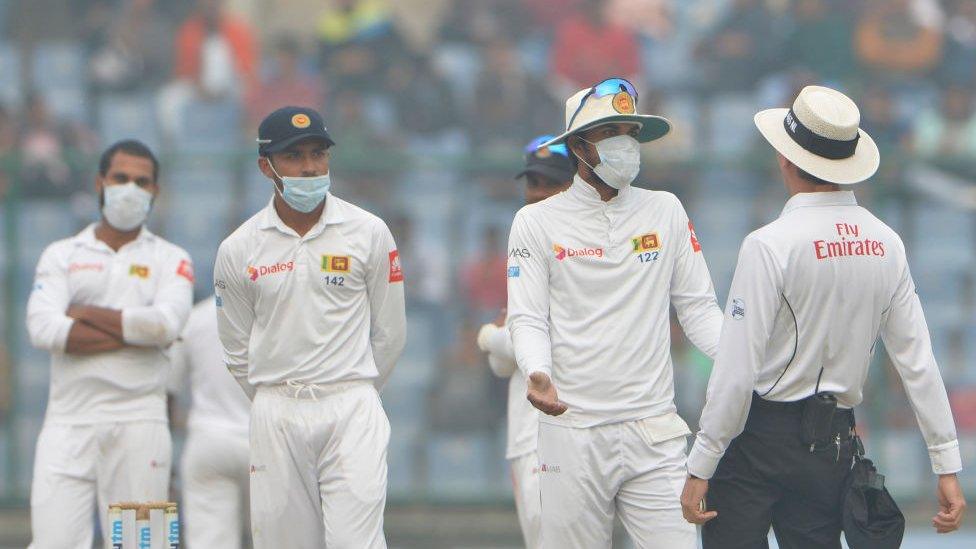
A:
[263,270]
[564,253]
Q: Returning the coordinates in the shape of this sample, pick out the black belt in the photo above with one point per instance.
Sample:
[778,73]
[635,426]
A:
[766,415]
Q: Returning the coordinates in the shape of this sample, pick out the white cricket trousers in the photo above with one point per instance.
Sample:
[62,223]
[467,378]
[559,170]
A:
[528,502]
[632,468]
[77,466]
[215,486]
[318,467]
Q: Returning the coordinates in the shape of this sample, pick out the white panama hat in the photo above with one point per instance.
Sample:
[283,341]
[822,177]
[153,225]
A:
[611,101]
[821,136]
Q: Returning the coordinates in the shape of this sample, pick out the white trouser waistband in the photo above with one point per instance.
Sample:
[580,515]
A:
[314,391]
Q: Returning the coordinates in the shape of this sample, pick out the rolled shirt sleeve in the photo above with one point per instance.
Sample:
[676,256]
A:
[692,291]
[235,315]
[160,323]
[754,300]
[387,309]
[906,338]
[47,324]
[528,299]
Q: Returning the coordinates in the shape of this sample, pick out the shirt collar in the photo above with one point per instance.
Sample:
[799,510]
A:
[832,198]
[87,238]
[587,194]
[330,216]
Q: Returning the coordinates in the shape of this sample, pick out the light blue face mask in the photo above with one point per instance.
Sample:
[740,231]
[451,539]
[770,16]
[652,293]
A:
[303,193]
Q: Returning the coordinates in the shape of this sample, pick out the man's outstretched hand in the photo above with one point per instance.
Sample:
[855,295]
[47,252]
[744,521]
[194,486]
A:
[542,394]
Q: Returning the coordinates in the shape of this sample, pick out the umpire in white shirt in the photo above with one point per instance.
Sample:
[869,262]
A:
[811,293]
[589,297]
[310,312]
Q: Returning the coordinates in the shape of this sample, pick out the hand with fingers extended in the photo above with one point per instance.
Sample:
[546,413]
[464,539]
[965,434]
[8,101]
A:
[952,505]
[542,394]
[693,501]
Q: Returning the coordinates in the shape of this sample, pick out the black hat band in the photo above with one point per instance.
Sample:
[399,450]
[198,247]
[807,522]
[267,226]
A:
[819,145]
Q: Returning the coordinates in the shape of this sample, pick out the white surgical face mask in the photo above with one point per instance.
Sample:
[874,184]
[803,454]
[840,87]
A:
[303,193]
[126,206]
[619,160]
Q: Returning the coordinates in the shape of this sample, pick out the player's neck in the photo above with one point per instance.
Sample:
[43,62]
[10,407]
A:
[113,237]
[605,191]
[299,222]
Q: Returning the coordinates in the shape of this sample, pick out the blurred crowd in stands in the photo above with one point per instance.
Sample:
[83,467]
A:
[431,102]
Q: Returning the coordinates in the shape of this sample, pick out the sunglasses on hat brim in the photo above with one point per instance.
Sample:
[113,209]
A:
[534,146]
[610,86]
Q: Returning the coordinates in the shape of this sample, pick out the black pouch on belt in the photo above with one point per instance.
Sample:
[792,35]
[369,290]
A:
[817,420]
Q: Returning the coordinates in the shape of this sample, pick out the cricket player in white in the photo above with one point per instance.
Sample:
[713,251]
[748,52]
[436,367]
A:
[811,294]
[310,311]
[588,306]
[106,304]
[215,458]
[547,172]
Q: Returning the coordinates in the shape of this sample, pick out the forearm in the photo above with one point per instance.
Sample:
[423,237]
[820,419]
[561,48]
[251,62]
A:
[701,320]
[533,348]
[84,339]
[385,354]
[102,319]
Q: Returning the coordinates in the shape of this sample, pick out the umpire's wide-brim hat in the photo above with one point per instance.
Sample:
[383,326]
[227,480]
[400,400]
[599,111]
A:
[612,101]
[821,135]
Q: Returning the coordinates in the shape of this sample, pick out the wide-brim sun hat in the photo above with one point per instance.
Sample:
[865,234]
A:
[612,101]
[821,135]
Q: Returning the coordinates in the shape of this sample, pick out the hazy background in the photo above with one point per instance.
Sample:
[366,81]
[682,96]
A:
[431,102]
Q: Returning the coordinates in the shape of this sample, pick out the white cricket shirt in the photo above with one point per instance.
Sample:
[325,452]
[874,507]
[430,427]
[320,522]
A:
[151,281]
[523,418]
[315,309]
[217,401]
[811,293]
[589,289]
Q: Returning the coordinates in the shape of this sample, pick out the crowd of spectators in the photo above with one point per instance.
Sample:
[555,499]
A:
[405,83]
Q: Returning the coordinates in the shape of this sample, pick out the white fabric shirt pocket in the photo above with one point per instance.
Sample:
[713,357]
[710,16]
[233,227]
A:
[662,428]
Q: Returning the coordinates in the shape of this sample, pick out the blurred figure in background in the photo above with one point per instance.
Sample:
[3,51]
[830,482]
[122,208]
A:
[548,171]
[741,48]
[949,128]
[215,460]
[285,82]
[47,147]
[216,59]
[106,304]
[355,42]
[481,282]
[588,46]
[895,39]
[821,39]
[959,61]
[130,46]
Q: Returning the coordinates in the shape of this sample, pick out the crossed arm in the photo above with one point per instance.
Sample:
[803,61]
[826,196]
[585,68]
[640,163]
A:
[95,330]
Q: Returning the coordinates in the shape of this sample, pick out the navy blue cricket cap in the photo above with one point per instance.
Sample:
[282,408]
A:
[289,125]
[552,161]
